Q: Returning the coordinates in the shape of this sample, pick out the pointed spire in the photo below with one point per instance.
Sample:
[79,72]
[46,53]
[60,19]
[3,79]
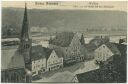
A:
[25,4]
[25,26]
[82,39]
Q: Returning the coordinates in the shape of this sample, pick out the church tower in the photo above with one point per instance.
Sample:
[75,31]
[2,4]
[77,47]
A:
[25,40]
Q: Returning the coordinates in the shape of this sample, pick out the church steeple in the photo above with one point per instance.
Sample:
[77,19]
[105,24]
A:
[25,40]
[25,32]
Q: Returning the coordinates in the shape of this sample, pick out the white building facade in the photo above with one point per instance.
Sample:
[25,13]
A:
[38,66]
[54,61]
[105,51]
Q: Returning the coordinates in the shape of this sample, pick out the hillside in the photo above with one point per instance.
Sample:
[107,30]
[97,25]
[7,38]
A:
[65,20]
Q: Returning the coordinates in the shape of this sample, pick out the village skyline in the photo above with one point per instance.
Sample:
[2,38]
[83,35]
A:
[66,56]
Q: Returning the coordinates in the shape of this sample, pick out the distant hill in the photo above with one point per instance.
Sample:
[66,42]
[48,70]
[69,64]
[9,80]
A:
[65,20]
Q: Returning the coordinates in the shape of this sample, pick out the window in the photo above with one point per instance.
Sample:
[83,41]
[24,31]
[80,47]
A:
[66,50]
[61,60]
[72,53]
[33,72]
[77,47]
[43,69]
[103,46]
[26,46]
[58,65]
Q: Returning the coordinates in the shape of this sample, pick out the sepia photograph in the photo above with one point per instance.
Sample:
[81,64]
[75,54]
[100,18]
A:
[64,42]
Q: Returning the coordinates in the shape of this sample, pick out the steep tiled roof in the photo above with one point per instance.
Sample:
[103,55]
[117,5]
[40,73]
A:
[37,52]
[49,51]
[89,77]
[97,41]
[82,40]
[113,48]
[62,39]
[59,53]
[10,58]
[90,47]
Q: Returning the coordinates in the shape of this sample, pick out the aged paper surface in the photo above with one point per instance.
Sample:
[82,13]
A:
[64,42]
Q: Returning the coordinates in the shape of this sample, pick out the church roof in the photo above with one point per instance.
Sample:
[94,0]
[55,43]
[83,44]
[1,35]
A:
[11,59]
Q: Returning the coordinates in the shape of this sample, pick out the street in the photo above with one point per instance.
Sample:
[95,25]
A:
[67,73]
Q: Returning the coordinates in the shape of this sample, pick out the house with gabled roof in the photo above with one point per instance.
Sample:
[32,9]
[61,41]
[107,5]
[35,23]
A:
[45,59]
[54,59]
[38,60]
[105,51]
[112,72]
[87,77]
[70,44]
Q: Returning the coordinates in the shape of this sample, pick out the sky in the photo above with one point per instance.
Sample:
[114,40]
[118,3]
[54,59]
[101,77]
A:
[88,5]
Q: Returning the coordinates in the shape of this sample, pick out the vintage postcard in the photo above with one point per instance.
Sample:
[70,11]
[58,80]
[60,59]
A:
[64,42]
